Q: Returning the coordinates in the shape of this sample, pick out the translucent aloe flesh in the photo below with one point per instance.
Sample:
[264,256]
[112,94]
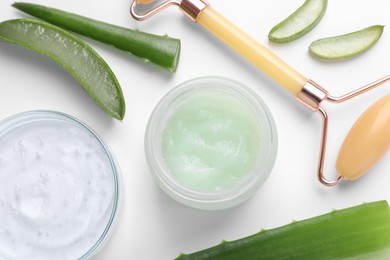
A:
[160,50]
[346,45]
[78,58]
[360,232]
[303,20]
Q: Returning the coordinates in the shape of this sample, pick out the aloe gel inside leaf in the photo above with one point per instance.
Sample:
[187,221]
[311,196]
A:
[71,53]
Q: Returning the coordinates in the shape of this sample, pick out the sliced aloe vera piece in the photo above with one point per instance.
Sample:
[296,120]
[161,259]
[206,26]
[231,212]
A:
[360,232]
[74,55]
[346,45]
[303,20]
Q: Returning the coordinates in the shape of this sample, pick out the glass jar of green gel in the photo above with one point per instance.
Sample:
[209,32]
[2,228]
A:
[210,143]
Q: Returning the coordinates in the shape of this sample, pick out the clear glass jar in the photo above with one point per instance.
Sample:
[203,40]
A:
[60,188]
[215,107]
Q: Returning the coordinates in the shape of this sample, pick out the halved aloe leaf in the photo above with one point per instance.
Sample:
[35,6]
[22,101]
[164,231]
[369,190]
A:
[346,45]
[303,20]
[74,55]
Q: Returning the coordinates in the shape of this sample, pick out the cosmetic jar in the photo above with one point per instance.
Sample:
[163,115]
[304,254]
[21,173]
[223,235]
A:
[59,188]
[210,143]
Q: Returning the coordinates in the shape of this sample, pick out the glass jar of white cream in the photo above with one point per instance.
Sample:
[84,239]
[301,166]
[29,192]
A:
[59,188]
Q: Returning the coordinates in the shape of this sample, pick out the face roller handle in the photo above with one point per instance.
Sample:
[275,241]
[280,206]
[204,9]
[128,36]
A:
[251,50]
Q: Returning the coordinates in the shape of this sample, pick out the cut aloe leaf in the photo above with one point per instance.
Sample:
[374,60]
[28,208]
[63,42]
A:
[347,45]
[74,55]
[303,20]
[360,232]
[163,51]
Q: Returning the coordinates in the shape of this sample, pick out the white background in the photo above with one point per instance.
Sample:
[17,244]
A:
[151,224]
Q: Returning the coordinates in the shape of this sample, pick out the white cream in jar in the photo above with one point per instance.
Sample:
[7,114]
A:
[59,188]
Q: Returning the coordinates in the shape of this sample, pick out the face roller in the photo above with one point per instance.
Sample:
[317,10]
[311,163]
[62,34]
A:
[306,91]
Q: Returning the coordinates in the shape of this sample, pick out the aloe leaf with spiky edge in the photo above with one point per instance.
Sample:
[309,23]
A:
[160,50]
[360,232]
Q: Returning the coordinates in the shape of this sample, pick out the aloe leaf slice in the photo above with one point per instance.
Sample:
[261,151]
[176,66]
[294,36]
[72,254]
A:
[346,45]
[359,232]
[303,20]
[74,55]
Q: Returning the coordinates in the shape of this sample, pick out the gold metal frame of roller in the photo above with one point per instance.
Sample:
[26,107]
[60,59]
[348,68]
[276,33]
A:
[305,90]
